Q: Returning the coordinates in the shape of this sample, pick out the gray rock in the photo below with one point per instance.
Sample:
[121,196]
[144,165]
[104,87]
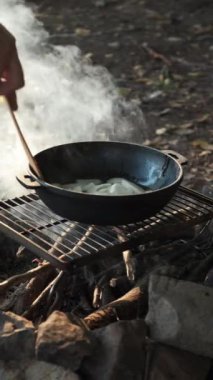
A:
[34,370]
[61,342]
[120,352]
[180,314]
[17,337]
[170,363]
[38,370]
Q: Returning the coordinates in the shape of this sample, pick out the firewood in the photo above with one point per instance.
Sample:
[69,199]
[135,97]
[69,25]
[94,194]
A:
[39,301]
[33,288]
[23,277]
[36,306]
[125,307]
[127,257]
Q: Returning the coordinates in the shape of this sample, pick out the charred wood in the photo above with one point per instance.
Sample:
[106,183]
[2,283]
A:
[126,307]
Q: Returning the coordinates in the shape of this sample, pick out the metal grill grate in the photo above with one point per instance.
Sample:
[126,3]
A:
[67,244]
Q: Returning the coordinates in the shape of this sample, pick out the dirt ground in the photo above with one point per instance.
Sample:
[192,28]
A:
[159,52]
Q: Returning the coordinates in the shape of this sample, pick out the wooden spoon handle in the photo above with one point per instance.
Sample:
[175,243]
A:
[30,157]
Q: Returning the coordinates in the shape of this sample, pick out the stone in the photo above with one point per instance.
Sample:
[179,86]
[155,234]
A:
[61,342]
[34,370]
[17,337]
[171,363]
[180,314]
[119,354]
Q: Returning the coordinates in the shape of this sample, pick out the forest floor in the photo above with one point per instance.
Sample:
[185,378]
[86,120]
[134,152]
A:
[160,53]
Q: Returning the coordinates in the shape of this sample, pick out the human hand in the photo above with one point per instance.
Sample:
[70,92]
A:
[11,73]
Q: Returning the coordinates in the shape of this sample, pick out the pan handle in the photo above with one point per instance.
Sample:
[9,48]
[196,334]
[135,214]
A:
[177,156]
[28,182]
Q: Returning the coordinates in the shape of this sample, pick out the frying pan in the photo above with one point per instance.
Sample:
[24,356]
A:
[159,172]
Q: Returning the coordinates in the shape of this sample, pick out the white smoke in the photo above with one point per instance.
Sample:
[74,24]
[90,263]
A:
[64,100]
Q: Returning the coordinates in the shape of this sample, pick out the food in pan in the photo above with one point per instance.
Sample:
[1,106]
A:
[113,186]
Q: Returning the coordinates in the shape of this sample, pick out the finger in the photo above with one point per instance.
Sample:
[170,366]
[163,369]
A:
[14,78]
[7,47]
[12,99]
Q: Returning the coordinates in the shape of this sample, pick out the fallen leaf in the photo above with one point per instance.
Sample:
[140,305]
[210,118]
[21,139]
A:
[164,112]
[124,91]
[178,77]
[154,95]
[205,153]
[200,29]
[138,71]
[108,55]
[194,170]
[100,3]
[160,131]
[88,58]
[82,32]
[184,132]
[114,44]
[189,176]
[186,125]
[202,144]
[203,118]
[175,104]
[195,74]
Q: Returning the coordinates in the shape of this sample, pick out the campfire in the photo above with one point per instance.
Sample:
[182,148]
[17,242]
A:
[130,299]
[87,286]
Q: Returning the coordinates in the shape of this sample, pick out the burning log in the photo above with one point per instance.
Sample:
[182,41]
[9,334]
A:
[125,307]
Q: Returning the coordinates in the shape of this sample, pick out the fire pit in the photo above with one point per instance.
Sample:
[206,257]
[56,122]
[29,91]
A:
[100,274]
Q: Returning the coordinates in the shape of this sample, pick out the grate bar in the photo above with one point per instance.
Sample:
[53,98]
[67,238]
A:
[91,244]
[80,226]
[60,228]
[33,234]
[66,244]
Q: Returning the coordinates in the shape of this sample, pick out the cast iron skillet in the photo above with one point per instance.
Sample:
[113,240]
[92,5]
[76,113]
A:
[157,171]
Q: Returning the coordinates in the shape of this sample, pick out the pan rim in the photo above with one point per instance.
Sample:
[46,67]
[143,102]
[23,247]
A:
[70,193]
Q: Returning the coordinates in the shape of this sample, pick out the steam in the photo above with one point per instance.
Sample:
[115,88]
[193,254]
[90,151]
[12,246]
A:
[65,99]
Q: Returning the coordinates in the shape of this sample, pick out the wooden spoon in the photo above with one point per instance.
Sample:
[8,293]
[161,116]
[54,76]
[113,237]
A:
[32,161]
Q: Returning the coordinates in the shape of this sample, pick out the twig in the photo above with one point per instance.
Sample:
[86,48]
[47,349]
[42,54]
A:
[38,301]
[155,55]
[33,288]
[23,277]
